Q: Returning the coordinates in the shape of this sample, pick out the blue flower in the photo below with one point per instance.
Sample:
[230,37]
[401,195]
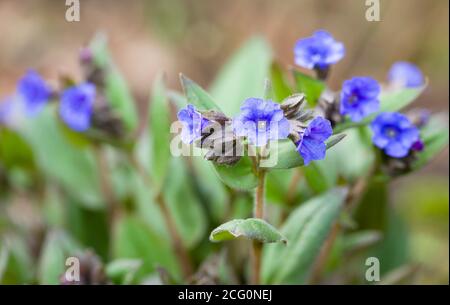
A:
[394,133]
[193,124]
[312,142]
[405,74]
[6,109]
[34,92]
[76,106]
[261,121]
[359,97]
[318,51]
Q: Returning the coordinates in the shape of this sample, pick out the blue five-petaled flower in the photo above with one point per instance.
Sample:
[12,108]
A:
[312,142]
[405,74]
[33,92]
[260,121]
[359,97]
[193,124]
[318,51]
[77,106]
[394,133]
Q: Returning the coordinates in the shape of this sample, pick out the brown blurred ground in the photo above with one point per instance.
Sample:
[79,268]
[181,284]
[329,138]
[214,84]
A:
[196,37]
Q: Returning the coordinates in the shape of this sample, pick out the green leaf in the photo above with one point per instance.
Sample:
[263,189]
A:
[14,150]
[56,249]
[60,161]
[280,84]
[116,89]
[239,176]
[288,157]
[251,228]
[306,229]
[123,271]
[19,263]
[361,240]
[390,101]
[184,205]
[321,175]
[159,121]
[197,96]
[133,239]
[242,76]
[435,138]
[311,87]
[354,157]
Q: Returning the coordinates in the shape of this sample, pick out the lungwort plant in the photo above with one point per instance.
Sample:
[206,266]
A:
[268,177]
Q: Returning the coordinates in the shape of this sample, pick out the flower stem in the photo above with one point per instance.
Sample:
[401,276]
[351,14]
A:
[258,213]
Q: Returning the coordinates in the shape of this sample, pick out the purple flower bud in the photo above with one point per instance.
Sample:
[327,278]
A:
[359,97]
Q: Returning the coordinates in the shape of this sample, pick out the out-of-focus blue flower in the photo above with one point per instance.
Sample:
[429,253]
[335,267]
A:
[359,97]
[34,92]
[261,121]
[312,142]
[318,51]
[405,74]
[394,133]
[6,108]
[193,124]
[76,106]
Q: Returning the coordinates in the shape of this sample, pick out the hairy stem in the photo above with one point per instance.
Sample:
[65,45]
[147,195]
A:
[258,213]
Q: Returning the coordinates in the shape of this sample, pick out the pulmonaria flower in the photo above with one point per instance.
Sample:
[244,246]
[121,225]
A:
[394,133]
[261,121]
[34,92]
[318,51]
[193,124]
[312,142]
[77,105]
[359,97]
[405,74]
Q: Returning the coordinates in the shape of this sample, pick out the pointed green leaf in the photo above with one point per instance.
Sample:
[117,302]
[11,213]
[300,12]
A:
[306,229]
[196,95]
[133,239]
[280,84]
[311,87]
[116,89]
[242,76]
[435,138]
[251,228]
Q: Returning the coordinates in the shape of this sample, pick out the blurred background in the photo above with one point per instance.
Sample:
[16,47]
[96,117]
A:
[196,37]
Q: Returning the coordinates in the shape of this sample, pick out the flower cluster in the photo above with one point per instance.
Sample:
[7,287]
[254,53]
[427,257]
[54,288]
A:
[259,122]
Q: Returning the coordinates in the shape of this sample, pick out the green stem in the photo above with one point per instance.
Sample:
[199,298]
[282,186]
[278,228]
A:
[258,213]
